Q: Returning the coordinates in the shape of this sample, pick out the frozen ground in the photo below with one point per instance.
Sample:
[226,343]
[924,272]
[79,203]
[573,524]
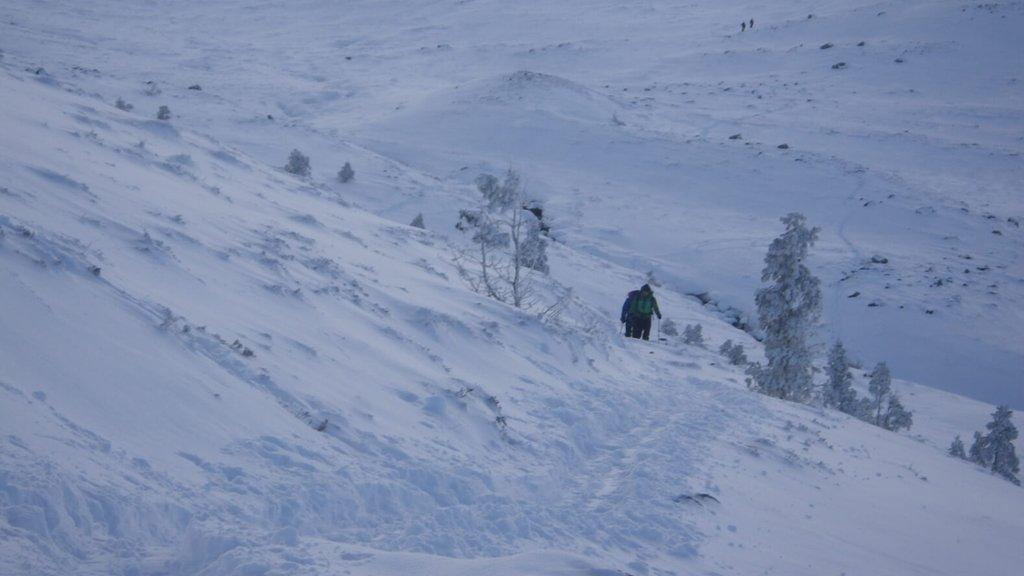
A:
[208,366]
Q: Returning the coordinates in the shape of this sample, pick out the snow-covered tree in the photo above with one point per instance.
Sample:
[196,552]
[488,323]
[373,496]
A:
[864,409]
[533,249]
[508,244]
[725,348]
[980,454]
[956,448]
[480,263]
[693,335]
[298,164]
[788,307]
[417,222]
[500,195]
[735,353]
[896,416]
[839,392]
[346,173]
[880,387]
[164,113]
[999,445]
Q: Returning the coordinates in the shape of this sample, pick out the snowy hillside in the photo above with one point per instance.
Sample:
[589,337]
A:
[620,116]
[211,366]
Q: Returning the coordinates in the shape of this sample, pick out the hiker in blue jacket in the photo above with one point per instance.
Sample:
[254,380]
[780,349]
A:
[624,317]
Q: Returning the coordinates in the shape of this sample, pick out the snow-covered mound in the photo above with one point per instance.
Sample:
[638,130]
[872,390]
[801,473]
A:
[210,366]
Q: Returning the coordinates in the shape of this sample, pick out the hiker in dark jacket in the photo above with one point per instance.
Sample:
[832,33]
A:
[640,311]
[624,317]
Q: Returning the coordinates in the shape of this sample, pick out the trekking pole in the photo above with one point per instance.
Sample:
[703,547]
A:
[659,328]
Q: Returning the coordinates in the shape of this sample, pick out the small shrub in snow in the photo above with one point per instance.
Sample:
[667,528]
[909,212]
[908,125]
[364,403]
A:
[668,327]
[417,222]
[346,174]
[298,164]
[164,113]
[693,335]
[726,347]
[650,279]
[956,448]
[122,105]
[788,306]
[735,353]
[738,356]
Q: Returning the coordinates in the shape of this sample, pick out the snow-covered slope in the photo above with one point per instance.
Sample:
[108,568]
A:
[208,366]
[620,116]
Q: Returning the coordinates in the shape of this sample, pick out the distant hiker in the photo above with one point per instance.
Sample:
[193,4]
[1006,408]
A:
[625,317]
[743,26]
[751,23]
[640,311]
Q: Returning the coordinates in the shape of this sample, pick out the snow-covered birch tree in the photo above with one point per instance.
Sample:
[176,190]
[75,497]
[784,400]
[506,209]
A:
[508,247]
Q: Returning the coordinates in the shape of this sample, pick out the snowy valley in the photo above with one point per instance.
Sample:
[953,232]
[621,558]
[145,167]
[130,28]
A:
[212,366]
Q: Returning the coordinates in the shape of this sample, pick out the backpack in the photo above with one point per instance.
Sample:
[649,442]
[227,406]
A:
[643,305]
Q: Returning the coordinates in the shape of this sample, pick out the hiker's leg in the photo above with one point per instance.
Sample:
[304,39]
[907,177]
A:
[646,328]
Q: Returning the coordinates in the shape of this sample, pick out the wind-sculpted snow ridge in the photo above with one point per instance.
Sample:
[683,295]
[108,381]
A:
[209,366]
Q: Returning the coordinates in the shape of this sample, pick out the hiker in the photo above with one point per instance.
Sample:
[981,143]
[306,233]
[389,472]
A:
[743,26]
[625,317]
[751,23]
[640,311]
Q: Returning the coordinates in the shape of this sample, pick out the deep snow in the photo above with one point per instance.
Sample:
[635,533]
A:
[209,366]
